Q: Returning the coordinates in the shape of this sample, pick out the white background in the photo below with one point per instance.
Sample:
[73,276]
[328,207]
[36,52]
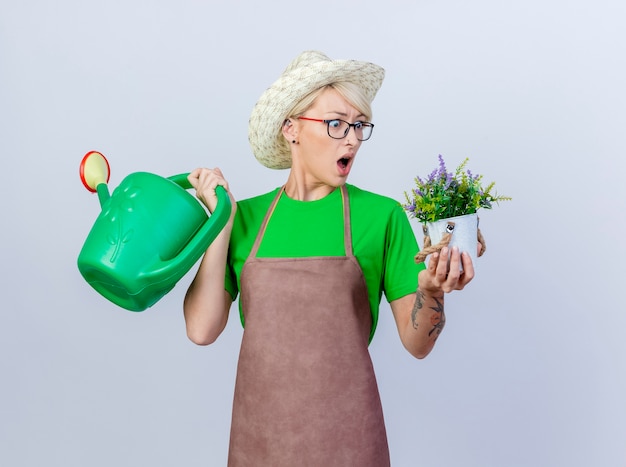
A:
[530,370]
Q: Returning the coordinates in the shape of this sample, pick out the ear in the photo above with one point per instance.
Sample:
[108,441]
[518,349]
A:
[290,131]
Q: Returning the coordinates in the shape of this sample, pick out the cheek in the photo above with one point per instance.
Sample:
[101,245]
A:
[321,149]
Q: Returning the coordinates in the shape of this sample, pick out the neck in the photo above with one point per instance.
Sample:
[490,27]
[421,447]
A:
[302,190]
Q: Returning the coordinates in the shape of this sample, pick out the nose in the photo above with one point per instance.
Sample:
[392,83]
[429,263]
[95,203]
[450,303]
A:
[351,137]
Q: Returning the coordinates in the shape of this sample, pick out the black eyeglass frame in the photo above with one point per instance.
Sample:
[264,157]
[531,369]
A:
[350,125]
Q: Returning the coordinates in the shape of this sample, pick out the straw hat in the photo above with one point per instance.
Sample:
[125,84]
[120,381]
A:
[309,71]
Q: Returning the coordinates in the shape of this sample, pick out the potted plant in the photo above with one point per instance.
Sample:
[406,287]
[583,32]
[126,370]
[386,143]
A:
[446,203]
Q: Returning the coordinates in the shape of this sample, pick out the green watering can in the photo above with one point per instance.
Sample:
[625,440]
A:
[150,233]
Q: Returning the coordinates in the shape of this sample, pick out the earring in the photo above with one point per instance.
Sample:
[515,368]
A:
[293,141]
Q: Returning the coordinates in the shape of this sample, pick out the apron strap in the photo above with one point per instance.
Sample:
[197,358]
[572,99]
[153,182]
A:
[346,222]
[268,214]
[347,230]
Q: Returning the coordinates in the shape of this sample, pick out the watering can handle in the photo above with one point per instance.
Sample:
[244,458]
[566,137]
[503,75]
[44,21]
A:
[181,180]
[211,228]
[223,200]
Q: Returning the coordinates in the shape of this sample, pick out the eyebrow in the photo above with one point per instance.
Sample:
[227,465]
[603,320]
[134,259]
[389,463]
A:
[343,114]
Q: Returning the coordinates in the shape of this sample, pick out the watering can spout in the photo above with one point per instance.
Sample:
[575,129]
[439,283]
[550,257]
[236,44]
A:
[149,234]
[103,193]
[95,173]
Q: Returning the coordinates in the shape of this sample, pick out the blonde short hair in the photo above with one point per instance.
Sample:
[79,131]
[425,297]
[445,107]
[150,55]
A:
[349,91]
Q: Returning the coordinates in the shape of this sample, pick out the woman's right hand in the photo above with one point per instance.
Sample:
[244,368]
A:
[205,181]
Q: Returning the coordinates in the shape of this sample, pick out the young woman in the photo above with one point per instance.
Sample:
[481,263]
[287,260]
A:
[310,261]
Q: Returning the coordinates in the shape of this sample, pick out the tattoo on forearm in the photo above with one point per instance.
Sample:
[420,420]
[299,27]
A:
[437,319]
[419,303]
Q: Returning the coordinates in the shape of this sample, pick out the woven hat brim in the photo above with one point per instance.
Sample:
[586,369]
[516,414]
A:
[272,108]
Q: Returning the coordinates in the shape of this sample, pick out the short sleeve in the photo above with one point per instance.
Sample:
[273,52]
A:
[230,281]
[400,277]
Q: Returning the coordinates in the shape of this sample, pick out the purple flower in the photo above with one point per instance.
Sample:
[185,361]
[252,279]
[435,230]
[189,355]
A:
[448,194]
[442,165]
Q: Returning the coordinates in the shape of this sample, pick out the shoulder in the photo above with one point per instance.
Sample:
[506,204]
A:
[256,202]
[360,198]
[259,199]
[250,211]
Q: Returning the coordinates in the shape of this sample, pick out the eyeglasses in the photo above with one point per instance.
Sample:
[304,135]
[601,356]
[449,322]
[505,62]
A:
[338,129]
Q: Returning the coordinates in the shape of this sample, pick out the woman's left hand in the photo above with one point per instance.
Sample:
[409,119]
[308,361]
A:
[443,276]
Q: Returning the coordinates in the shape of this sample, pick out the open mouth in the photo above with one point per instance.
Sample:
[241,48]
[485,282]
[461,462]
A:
[343,165]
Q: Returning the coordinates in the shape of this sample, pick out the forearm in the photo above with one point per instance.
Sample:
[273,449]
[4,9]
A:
[420,319]
[207,303]
[426,324]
